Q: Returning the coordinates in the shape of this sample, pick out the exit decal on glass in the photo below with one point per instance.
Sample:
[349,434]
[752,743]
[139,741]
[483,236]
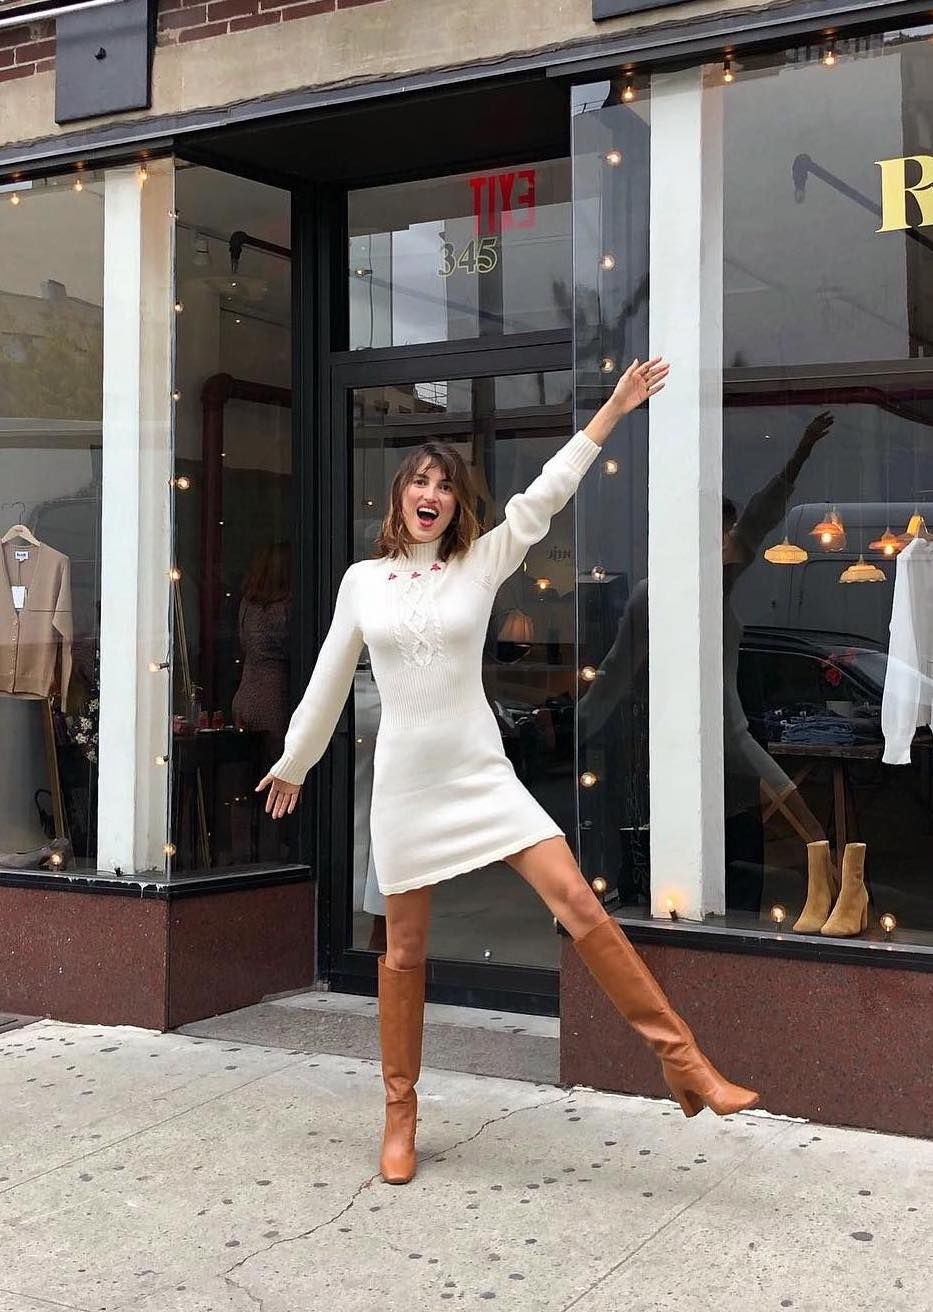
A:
[500,203]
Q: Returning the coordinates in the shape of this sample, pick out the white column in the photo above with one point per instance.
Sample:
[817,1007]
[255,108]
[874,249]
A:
[136,519]
[685,499]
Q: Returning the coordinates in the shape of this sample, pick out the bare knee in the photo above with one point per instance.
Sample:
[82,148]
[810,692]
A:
[406,936]
[580,909]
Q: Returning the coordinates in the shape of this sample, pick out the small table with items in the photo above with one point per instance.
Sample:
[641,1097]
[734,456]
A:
[839,758]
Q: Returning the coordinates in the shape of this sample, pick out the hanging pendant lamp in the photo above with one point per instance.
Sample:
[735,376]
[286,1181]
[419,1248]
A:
[786,553]
[863,572]
[889,544]
[916,527]
[830,532]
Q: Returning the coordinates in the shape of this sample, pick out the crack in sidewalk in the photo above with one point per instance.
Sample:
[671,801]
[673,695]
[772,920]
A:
[367,1184]
[532,1107]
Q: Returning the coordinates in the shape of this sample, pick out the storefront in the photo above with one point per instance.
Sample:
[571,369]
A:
[215,348]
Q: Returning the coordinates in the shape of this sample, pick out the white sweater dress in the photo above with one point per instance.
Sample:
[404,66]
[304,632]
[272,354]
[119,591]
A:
[446,798]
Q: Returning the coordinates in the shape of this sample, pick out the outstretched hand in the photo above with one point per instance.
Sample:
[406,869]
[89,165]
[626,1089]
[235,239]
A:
[283,797]
[639,383]
[817,428]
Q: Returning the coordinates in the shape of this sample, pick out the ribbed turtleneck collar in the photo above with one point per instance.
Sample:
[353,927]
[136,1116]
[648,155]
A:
[419,555]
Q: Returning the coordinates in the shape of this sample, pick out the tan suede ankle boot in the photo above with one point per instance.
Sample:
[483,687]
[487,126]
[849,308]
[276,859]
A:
[822,887]
[850,914]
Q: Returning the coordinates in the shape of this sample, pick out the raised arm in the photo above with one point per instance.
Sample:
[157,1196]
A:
[528,514]
[316,715]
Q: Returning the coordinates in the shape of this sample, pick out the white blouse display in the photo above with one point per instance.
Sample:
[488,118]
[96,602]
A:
[908,686]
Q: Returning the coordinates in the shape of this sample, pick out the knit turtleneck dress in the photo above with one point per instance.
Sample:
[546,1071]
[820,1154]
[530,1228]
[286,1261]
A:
[446,798]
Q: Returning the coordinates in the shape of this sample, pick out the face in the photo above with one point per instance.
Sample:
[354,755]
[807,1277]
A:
[428,504]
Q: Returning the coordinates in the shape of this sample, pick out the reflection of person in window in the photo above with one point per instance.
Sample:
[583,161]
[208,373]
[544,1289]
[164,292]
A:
[261,703]
[751,774]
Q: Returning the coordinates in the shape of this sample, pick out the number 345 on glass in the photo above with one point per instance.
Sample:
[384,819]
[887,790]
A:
[478,256]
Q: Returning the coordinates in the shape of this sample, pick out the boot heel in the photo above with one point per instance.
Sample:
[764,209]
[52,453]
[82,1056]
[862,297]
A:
[690,1103]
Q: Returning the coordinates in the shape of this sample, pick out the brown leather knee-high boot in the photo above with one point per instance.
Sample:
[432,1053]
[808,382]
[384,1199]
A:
[401,1026]
[822,887]
[850,914]
[636,994]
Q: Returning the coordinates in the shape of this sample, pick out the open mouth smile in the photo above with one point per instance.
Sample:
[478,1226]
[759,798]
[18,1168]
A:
[426,516]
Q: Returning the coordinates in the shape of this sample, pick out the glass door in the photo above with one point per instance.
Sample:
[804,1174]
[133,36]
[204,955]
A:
[489,931]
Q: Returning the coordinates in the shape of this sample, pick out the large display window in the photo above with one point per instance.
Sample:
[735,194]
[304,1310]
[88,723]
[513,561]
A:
[51,401]
[781,571]
[233,578]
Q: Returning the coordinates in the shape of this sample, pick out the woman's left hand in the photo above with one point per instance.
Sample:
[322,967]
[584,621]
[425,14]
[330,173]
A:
[639,383]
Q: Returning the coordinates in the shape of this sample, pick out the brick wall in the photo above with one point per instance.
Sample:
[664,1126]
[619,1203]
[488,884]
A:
[196,20]
[31,48]
[26,50]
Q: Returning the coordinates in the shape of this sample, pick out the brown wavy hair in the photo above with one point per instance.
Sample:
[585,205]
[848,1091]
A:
[462,531]
[269,577]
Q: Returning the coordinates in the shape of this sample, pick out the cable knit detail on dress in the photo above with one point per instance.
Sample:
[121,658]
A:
[417,626]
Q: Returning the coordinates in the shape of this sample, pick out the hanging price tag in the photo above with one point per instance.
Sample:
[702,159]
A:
[21,555]
[19,596]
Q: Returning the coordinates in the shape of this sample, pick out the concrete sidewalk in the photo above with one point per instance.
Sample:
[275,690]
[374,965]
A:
[170,1173]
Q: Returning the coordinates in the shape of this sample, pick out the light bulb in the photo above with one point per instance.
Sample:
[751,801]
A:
[599,885]
[174,573]
[607,364]
[487,954]
[829,58]
[543,584]
[607,262]
[727,73]
[588,674]
[671,909]
[170,849]
[778,915]
[176,396]
[79,185]
[826,538]
[161,760]
[611,467]
[628,95]
[14,199]
[613,157]
[588,779]
[599,573]
[142,173]
[183,482]
[178,307]
[56,859]
[888,923]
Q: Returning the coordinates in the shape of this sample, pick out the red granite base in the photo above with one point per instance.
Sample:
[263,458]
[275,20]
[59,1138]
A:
[841,1044]
[122,959]
[258,942]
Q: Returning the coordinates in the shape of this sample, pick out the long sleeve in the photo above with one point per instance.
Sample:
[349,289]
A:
[764,511]
[900,703]
[63,623]
[528,514]
[316,715]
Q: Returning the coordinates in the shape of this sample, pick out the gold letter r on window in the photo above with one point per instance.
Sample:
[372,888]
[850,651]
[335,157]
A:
[895,190]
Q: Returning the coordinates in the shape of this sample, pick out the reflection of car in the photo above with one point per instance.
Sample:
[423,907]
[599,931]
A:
[789,670]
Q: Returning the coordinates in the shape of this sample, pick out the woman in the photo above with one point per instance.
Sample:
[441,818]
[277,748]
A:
[445,797]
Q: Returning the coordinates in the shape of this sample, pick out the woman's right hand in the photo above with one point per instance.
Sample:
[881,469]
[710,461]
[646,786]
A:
[283,797]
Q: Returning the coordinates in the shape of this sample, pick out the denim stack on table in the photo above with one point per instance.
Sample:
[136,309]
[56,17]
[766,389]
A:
[824,730]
